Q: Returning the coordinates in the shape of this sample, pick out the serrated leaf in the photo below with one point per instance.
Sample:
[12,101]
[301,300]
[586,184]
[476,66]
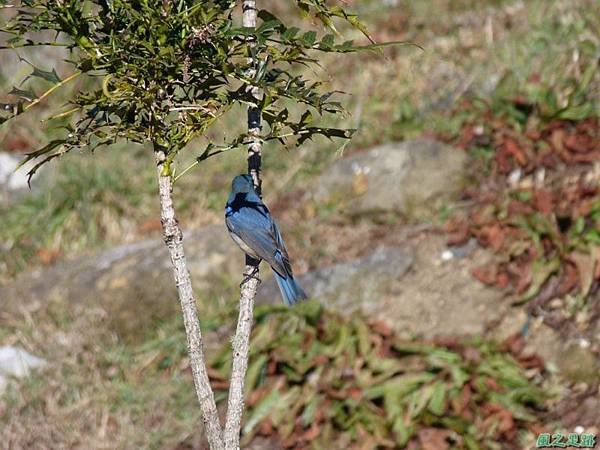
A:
[43,151]
[267,26]
[51,76]
[327,42]
[290,33]
[28,95]
[309,38]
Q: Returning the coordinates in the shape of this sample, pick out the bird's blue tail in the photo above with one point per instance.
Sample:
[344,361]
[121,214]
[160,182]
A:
[290,290]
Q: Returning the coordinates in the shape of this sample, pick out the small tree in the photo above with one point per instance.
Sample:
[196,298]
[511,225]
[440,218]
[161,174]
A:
[167,71]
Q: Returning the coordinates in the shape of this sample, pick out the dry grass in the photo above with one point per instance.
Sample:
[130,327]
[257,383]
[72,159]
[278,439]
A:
[97,393]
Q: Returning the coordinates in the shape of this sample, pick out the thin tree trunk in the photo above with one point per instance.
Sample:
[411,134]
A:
[174,241]
[249,286]
[241,348]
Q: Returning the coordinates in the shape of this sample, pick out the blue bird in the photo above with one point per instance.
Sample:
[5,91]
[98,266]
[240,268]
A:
[252,228]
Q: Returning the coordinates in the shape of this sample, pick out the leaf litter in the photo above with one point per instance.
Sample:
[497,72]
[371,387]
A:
[317,379]
[534,200]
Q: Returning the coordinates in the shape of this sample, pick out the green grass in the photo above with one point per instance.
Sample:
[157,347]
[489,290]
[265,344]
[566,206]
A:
[85,202]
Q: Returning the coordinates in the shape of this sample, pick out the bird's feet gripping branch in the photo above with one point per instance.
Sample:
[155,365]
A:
[252,228]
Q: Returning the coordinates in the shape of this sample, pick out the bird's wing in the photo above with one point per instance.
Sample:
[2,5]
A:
[257,229]
[282,251]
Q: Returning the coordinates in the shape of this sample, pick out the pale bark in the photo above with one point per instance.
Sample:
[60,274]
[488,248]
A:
[241,349]
[174,240]
[249,286]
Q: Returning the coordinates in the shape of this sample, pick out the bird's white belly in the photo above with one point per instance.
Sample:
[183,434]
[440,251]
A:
[244,246]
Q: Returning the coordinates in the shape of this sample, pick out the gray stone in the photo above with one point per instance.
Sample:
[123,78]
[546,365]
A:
[410,288]
[358,284]
[578,364]
[574,361]
[12,180]
[132,283]
[412,178]
[16,363]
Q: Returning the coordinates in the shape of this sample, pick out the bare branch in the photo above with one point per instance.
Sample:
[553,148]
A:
[241,348]
[174,241]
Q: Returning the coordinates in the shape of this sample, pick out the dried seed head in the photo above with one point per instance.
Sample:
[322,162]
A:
[201,36]
[186,68]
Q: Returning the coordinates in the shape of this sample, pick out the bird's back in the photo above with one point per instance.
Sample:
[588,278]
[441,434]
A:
[248,218]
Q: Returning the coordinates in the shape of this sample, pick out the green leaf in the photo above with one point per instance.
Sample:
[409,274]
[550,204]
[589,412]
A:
[306,118]
[262,410]
[254,371]
[362,334]
[290,33]
[418,400]
[437,403]
[402,431]
[541,270]
[327,42]
[283,414]
[51,76]
[27,95]
[470,442]
[309,38]
[459,376]
[43,151]
[399,386]
[310,409]
[578,112]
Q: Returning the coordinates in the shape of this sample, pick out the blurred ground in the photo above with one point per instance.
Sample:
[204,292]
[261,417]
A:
[511,86]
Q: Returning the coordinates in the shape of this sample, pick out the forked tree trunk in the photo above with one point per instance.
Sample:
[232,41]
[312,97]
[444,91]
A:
[174,240]
[230,439]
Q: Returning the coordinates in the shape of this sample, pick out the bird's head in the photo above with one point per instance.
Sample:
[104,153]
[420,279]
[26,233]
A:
[243,184]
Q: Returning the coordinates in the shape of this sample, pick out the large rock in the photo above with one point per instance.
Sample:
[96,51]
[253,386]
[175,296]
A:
[413,178]
[132,283]
[411,286]
[413,289]
[358,284]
